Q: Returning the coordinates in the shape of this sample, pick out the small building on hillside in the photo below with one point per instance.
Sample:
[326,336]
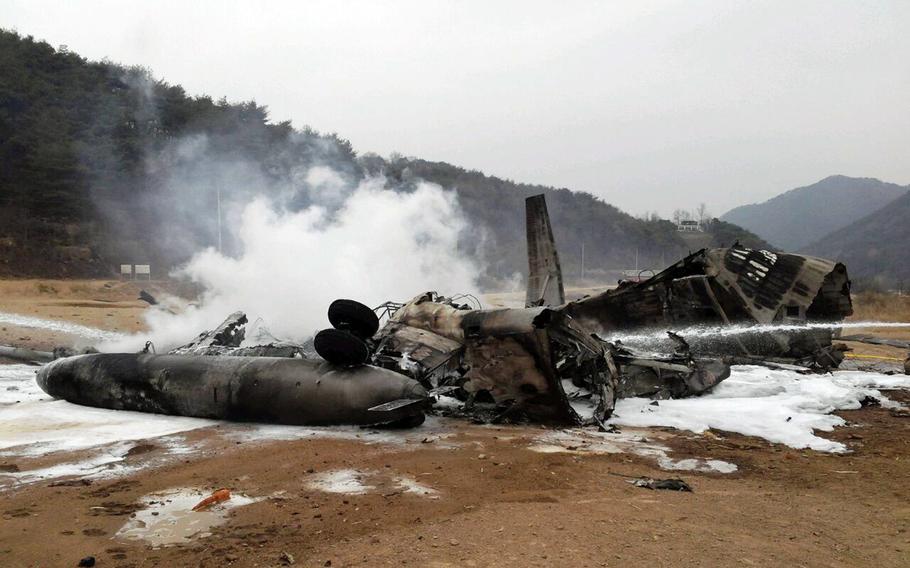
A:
[688,226]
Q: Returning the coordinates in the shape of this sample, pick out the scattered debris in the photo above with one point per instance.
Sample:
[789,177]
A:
[26,355]
[87,562]
[871,339]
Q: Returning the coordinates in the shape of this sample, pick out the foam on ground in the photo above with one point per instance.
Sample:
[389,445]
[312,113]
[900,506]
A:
[91,333]
[779,406]
[33,424]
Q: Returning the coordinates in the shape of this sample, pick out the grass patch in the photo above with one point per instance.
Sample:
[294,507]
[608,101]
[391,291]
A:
[44,288]
[881,306]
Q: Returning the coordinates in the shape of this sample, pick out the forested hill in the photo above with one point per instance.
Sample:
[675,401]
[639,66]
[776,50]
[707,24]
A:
[102,164]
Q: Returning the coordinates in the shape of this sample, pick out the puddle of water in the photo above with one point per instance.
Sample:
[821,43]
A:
[413,486]
[355,482]
[168,517]
[347,481]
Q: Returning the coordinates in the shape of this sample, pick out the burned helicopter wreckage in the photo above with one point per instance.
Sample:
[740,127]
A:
[552,361]
[537,363]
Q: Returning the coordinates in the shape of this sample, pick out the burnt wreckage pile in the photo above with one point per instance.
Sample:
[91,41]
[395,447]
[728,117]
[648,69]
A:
[536,364]
[553,361]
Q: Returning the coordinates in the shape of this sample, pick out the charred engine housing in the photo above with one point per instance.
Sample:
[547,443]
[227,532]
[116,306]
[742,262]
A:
[533,363]
[260,389]
[667,376]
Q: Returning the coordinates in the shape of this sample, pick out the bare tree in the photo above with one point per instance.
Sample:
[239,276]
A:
[681,215]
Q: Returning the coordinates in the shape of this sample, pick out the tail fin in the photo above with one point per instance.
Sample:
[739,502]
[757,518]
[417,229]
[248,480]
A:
[545,286]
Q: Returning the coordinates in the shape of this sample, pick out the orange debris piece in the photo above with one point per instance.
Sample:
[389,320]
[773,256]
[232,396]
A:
[216,497]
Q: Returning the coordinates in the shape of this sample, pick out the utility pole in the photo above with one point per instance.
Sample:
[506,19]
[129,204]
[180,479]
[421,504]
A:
[582,260]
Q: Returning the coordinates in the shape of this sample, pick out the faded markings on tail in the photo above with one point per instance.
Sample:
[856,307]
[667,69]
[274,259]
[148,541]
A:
[545,287]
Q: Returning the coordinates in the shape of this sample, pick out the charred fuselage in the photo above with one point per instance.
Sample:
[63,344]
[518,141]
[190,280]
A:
[261,389]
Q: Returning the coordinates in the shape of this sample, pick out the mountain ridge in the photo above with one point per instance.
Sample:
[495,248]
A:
[875,247]
[799,217]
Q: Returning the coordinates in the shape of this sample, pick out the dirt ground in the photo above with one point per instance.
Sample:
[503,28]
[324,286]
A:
[498,503]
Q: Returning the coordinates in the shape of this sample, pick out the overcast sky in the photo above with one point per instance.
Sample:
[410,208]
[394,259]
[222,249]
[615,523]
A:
[650,105]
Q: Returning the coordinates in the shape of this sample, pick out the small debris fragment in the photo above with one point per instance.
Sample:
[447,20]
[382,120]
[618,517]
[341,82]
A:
[148,298]
[71,483]
[286,558]
[668,484]
[87,562]
[216,497]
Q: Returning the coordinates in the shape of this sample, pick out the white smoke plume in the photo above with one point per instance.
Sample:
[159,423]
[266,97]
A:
[371,244]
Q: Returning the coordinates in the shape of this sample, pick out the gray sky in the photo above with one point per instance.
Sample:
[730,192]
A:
[650,105]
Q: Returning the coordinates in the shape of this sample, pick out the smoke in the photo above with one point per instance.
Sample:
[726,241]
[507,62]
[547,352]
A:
[264,218]
[369,243]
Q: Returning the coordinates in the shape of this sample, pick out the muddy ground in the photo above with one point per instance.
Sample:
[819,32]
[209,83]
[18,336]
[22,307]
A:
[496,502]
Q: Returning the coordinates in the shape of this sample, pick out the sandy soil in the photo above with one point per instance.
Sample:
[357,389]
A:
[497,502]
[109,305]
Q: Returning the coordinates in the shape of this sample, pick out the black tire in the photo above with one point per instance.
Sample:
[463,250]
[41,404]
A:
[341,347]
[349,315]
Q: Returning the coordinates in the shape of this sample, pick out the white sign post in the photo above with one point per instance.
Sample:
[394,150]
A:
[145,270]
